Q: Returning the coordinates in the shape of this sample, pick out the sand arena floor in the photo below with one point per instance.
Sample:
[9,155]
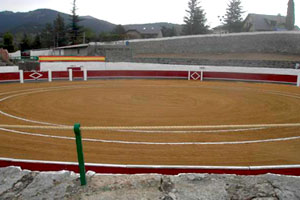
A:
[153,103]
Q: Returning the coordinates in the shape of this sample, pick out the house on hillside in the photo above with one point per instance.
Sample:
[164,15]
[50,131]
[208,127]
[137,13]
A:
[258,22]
[220,30]
[139,32]
[72,50]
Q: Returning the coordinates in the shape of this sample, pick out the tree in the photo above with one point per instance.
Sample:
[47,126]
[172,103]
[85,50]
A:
[37,44]
[118,33]
[109,37]
[119,29]
[47,36]
[8,42]
[59,30]
[25,43]
[90,35]
[195,20]
[168,32]
[233,17]
[75,29]
[290,17]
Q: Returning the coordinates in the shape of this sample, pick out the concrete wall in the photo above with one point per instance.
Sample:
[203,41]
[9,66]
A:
[15,54]
[9,69]
[63,66]
[74,51]
[44,52]
[112,53]
[217,62]
[261,42]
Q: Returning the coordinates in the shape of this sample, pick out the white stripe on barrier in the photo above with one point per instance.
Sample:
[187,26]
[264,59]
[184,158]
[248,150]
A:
[70,75]
[85,74]
[21,76]
[49,75]
[9,69]
[298,80]
[155,166]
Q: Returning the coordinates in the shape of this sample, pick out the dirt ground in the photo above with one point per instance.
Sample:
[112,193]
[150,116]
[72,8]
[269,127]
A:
[153,103]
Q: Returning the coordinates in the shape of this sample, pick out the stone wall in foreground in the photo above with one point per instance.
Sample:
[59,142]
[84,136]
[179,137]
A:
[23,184]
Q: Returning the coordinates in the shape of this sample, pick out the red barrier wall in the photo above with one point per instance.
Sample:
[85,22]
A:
[168,170]
[11,76]
[251,77]
[60,75]
[280,78]
[35,75]
[135,73]
[77,74]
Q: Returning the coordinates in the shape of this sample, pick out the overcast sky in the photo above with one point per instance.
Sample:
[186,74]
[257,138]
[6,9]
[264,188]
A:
[145,11]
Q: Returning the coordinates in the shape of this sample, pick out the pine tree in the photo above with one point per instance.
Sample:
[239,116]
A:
[233,17]
[60,31]
[168,32]
[37,44]
[90,35]
[75,29]
[47,36]
[195,21]
[8,42]
[119,29]
[290,17]
[25,43]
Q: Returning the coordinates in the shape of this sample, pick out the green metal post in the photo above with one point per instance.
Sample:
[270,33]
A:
[80,154]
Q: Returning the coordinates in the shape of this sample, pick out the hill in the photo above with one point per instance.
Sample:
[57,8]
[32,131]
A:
[34,21]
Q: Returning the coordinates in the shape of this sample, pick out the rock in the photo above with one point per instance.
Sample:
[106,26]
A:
[199,186]
[9,178]
[18,184]
[90,173]
[123,187]
[47,185]
[166,185]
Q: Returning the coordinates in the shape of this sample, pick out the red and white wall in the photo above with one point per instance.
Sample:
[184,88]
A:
[36,165]
[50,71]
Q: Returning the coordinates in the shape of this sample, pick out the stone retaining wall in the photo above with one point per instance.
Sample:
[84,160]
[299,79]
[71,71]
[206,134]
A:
[18,184]
[240,63]
[262,42]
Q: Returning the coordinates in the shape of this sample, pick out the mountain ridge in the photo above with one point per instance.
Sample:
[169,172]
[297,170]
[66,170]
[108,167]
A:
[34,21]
